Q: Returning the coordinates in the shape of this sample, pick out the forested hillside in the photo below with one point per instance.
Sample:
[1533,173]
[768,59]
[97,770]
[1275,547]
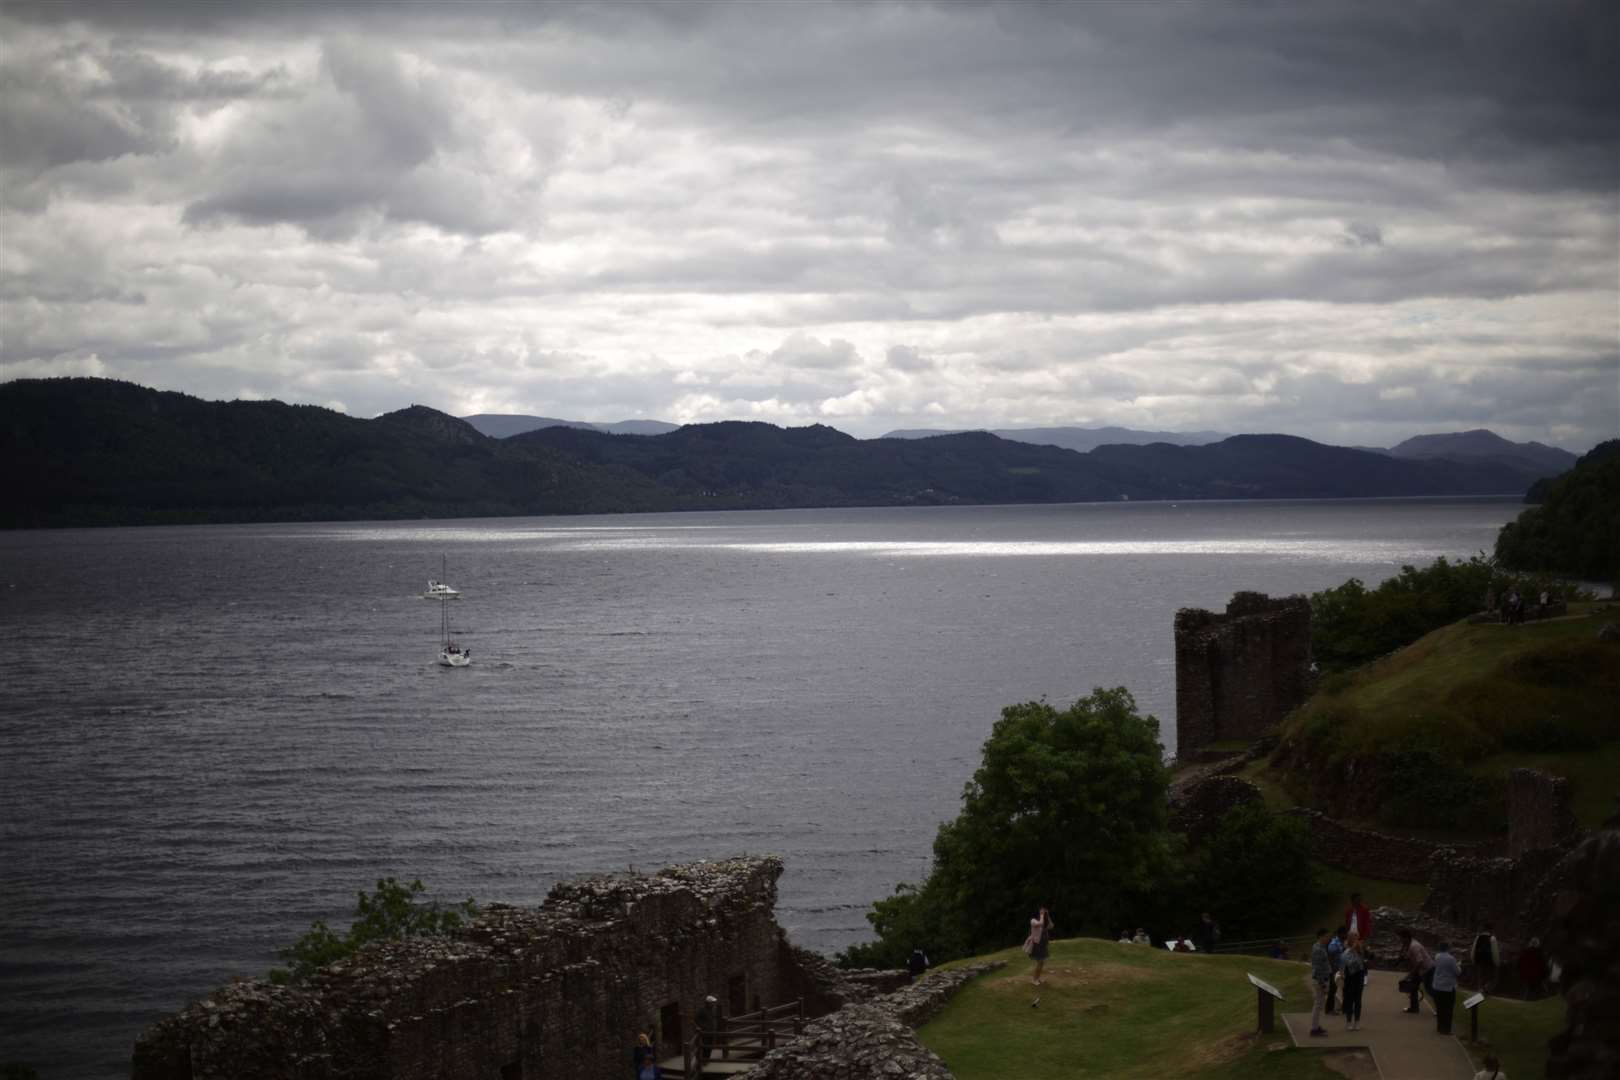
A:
[96,451]
[1576,529]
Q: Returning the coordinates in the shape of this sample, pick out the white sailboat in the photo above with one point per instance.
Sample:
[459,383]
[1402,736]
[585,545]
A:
[450,654]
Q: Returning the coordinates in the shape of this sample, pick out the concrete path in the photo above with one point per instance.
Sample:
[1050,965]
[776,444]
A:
[1404,1046]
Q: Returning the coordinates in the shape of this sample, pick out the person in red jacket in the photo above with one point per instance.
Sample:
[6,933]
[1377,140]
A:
[1357,918]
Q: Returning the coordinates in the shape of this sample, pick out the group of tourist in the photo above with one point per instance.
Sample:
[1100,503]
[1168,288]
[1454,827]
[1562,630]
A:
[1339,961]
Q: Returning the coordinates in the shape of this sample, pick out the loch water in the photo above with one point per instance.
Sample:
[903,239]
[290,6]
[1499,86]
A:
[211,735]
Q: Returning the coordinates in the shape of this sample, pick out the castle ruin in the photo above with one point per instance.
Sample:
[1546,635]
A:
[1239,673]
[520,994]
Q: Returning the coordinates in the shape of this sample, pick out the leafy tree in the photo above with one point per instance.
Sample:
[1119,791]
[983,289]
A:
[389,913]
[1067,809]
[1254,873]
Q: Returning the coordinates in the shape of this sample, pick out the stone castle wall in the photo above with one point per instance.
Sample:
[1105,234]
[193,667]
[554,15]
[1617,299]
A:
[876,1038]
[1239,673]
[558,991]
[1539,814]
[1374,854]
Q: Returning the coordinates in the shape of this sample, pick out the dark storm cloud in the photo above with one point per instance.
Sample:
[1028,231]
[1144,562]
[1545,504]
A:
[1216,215]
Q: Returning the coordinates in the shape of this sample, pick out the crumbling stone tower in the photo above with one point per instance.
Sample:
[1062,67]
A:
[1239,673]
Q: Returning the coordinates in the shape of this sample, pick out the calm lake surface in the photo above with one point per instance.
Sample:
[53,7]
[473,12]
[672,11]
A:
[210,736]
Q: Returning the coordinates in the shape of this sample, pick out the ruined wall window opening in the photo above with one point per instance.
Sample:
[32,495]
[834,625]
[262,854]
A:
[737,994]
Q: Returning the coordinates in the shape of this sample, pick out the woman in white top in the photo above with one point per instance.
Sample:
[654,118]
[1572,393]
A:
[1038,944]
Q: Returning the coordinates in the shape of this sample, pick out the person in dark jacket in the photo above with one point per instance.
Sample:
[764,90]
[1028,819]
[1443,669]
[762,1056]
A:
[708,1022]
[1532,969]
[917,964]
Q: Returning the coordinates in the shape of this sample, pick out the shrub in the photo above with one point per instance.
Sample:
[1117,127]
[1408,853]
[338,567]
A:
[391,912]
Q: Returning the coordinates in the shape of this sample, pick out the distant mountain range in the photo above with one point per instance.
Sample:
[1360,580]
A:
[1478,445]
[97,451]
[505,425]
[1482,445]
[1082,439]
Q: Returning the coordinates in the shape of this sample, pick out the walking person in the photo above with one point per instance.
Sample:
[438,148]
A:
[1443,985]
[1321,978]
[1354,968]
[1419,967]
[1039,943]
[1487,957]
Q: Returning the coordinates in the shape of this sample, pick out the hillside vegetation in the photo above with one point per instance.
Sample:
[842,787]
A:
[1399,740]
[97,451]
[1576,529]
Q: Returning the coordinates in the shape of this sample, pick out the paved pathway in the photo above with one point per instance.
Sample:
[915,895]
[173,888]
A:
[1404,1046]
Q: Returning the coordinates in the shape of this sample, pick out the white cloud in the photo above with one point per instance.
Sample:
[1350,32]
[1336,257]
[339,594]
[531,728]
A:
[986,215]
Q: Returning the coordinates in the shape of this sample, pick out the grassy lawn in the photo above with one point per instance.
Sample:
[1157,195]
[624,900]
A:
[1517,1033]
[1112,1010]
[1469,686]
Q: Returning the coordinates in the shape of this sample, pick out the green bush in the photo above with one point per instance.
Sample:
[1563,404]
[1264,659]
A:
[391,912]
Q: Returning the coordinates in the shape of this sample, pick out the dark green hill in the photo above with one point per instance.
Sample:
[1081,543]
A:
[1576,529]
[96,451]
[1288,467]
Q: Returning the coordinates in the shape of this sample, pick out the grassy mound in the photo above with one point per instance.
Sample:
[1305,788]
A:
[1425,735]
[1120,1011]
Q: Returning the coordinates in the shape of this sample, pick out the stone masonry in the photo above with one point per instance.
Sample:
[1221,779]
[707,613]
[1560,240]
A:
[874,1040]
[1239,673]
[1539,814]
[558,991]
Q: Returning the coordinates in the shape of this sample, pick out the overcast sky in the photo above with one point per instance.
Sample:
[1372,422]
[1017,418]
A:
[1354,222]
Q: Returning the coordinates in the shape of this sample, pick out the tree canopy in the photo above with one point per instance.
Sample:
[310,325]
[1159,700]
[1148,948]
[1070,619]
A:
[1576,529]
[1067,809]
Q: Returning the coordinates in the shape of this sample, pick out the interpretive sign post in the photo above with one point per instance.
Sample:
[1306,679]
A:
[1266,995]
[1472,1005]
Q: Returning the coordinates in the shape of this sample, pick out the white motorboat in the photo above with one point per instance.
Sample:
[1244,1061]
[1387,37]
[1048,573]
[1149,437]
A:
[438,590]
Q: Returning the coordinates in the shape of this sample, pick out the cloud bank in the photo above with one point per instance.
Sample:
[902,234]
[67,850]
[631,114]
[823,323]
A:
[1353,222]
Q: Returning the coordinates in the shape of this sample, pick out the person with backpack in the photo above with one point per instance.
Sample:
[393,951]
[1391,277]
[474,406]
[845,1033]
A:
[1353,966]
[917,964]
